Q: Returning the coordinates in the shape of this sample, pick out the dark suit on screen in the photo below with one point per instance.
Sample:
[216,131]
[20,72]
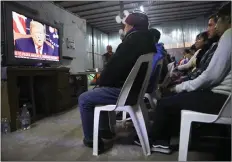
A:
[27,45]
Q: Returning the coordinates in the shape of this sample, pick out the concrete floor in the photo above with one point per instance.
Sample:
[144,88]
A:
[60,138]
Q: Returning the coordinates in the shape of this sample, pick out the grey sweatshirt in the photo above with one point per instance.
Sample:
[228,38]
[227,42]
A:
[218,74]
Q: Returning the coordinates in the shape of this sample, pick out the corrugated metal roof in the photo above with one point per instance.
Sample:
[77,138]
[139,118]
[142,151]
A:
[101,14]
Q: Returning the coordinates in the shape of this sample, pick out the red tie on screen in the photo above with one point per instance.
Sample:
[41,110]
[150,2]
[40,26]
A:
[39,48]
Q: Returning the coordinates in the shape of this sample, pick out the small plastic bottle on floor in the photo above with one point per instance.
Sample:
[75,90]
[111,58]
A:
[5,126]
[25,118]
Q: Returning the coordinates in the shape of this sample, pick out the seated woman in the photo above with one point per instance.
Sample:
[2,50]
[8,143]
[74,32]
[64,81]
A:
[201,43]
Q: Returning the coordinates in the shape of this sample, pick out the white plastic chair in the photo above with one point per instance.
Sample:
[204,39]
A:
[152,96]
[187,117]
[137,112]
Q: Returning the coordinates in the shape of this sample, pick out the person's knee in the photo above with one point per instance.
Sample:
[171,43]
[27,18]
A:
[83,98]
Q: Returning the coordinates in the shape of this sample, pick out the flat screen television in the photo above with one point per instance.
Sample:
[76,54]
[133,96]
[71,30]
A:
[28,39]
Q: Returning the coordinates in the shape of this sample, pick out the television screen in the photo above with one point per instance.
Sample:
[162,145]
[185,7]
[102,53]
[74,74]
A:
[34,40]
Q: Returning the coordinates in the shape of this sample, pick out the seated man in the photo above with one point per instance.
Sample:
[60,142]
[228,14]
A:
[160,54]
[137,41]
[207,93]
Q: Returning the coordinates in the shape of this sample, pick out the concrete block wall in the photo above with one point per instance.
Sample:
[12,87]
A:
[73,27]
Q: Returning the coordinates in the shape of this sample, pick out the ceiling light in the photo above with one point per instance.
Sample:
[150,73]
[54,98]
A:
[126,13]
[118,19]
[141,8]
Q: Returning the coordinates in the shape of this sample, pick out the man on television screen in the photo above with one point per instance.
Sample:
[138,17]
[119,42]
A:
[36,43]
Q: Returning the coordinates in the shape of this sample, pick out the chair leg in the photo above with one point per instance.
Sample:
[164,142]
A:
[112,118]
[95,131]
[140,126]
[150,101]
[184,138]
[158,94]
[124,116]
[144,111]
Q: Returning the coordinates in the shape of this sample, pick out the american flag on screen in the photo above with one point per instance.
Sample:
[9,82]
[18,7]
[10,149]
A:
[19,23]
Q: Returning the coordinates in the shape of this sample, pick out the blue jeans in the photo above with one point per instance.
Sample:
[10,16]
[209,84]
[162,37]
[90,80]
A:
[87,102]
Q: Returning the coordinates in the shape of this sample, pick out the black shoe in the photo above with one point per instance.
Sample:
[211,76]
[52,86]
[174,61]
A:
[161,146]
[158,146]
[106,134]
[90,144]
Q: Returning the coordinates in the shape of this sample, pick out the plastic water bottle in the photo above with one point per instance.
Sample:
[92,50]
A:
[5,126]
[25,118]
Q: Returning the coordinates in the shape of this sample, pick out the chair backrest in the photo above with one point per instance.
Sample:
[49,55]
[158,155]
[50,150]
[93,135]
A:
[166,80]
[155,76]
[226,109]
[136,83]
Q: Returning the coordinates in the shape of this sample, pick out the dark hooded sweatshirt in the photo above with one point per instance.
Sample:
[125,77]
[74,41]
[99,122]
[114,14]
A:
[135,44]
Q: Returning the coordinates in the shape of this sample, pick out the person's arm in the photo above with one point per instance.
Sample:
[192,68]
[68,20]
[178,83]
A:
[189,64]
[216,71]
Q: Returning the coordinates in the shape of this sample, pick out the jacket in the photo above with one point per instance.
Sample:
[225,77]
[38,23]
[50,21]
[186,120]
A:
[160,54]
[116,71]
[205,60]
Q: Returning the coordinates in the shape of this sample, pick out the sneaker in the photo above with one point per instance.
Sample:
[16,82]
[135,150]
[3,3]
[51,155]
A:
[89,144]
[161,146]
[106,134]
